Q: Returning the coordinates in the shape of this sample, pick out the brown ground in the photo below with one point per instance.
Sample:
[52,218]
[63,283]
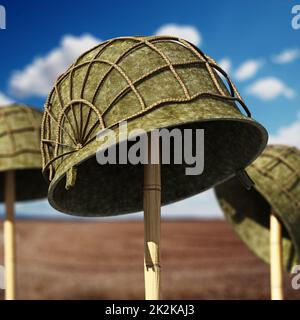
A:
[104,260]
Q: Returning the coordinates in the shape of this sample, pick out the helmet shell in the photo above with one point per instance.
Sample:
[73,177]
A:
[20,135]
[276,174]
[150,82]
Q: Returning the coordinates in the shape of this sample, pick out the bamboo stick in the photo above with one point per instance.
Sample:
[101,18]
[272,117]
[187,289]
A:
[9,236]
[276,258]
[152,204]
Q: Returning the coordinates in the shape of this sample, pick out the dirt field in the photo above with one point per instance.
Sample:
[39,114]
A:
[104,260]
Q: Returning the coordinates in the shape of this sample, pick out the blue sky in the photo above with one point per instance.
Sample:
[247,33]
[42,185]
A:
[254,40]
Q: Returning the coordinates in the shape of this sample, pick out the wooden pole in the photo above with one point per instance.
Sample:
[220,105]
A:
[152,204]
[276,270]
[9,236]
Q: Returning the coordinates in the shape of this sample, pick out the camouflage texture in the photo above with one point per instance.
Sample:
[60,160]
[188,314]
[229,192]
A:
[20,150]
[152,82]
[276,174]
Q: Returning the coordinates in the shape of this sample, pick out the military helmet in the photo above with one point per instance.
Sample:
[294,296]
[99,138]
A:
[152,83]
[276,174]
[20,135]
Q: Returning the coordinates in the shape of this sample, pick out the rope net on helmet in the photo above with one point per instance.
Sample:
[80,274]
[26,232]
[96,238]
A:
[31,124]
[281,157]
[53,148]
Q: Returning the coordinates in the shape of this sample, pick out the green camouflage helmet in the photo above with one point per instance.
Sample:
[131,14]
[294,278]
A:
[150,82]
[20,135]
[276,174]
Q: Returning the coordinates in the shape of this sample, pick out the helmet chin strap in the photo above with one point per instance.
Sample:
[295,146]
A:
[245,179]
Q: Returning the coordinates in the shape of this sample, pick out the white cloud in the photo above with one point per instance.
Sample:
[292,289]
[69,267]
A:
[270,88]
[185,32]
[248,69]
[225,64]
[287,56]
[288,135]
[4,100]
[37,78]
